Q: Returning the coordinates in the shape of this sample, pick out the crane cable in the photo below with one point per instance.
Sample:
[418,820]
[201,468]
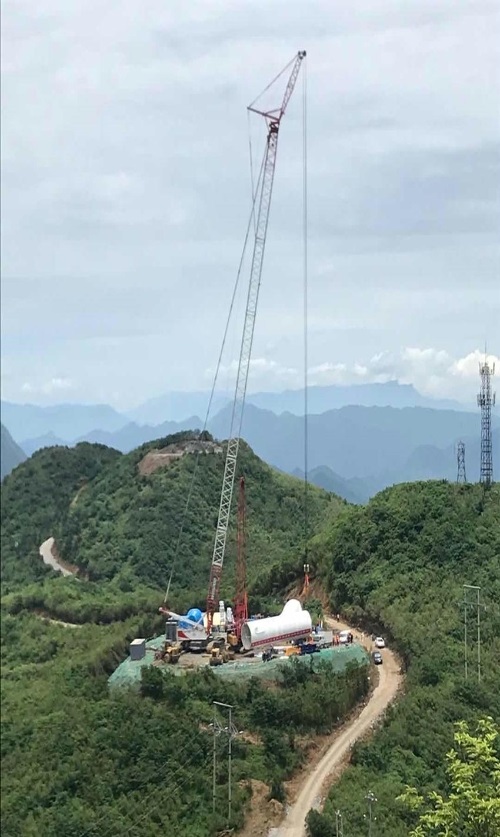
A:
[305,284]
[251,222]
[194,742]
[254,189]
[275,79]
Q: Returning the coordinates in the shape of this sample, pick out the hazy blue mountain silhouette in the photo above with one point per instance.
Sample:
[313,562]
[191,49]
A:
[67,421]
[176,406]
[354,451]
[11,454]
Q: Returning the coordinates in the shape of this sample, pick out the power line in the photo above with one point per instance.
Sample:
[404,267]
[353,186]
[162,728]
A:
[306,307]
[230,730]
[475,592]
[177,771]
[251,222]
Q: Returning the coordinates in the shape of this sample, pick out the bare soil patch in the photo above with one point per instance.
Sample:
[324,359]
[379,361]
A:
[163,457]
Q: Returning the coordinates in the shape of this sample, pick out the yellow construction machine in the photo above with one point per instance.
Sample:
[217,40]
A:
[218,656]
[170,652]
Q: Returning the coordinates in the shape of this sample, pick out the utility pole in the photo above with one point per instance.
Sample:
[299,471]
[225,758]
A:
[339,828]
[229,730]
[306,578]
[474,602]
[371,799]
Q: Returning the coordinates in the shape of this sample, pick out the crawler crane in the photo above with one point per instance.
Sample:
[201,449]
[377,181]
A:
[273,121]
[261,208]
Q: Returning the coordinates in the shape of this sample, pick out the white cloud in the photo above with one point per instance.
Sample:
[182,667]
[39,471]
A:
[123,212]
[433,372]
[51,387]
[466,367]
[262,371]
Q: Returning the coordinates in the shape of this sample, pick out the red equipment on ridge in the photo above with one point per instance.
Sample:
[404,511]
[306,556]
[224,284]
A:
[240,610]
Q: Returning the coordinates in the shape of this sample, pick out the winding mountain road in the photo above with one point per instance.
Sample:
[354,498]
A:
[48,557]
[315,783]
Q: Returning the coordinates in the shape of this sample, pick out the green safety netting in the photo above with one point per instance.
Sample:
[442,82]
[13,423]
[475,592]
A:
[128,673]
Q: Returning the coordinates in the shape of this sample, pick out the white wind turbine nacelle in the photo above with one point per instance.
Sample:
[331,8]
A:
[292,623]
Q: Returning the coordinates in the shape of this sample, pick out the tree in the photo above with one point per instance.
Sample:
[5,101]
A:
[473,805]
[152,682]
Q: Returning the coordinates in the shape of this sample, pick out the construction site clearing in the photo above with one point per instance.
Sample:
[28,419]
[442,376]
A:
[265,666]
[229,639]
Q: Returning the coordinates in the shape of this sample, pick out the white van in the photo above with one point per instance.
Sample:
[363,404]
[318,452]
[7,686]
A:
[344,637]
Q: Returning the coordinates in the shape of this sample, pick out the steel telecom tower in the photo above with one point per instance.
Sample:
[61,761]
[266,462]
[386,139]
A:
[486,400]
[461,475]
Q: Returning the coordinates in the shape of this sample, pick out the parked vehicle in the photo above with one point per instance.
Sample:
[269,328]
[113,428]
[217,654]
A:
[377,658]
[308,648]
[379,642]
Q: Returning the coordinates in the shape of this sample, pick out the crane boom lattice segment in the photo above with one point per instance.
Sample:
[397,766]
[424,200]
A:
[240,609]
[273,119]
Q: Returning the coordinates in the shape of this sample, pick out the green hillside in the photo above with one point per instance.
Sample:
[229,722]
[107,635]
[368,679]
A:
[398,566]
[35,499]
[122,528]
[126,525]
[79,762]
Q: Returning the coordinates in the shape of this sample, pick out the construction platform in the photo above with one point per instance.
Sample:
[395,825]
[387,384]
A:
[128,672]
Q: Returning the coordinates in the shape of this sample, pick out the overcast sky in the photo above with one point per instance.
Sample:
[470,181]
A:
[126,193]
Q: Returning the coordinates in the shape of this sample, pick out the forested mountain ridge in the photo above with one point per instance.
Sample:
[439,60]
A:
[77,762]
[35,498]
[127,524]
[366,448]
[397,567]
[116,523]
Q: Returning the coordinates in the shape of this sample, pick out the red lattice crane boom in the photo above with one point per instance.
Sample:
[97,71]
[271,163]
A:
[240,609]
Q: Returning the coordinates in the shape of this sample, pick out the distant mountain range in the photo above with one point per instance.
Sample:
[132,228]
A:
[375,446]
[176,406]
[354,451]
[322,399]
[72,421]
[353,490]
[65,421]
[11,454]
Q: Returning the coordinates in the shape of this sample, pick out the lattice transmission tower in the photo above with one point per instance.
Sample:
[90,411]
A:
[486,400]
[461,475]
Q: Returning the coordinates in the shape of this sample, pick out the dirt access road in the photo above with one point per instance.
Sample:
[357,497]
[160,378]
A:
[315,783]
[48,553]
